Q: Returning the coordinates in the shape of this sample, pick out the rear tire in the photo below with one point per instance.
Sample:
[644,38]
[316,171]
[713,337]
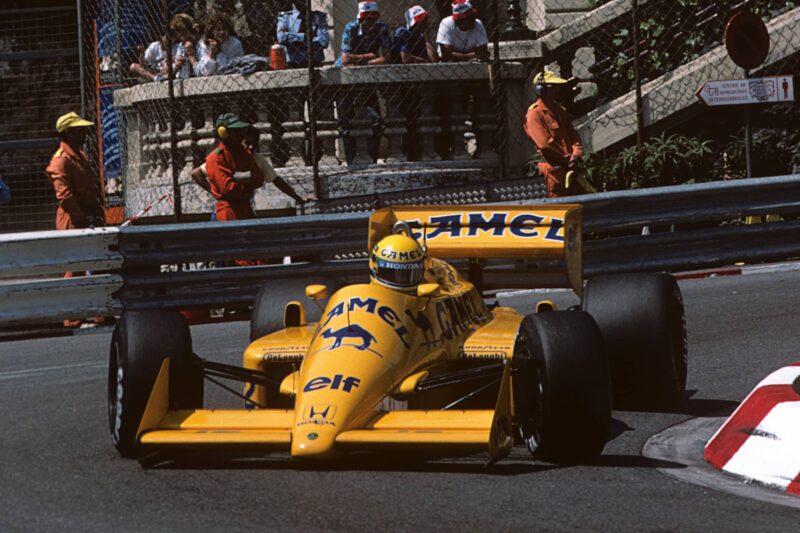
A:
[271,300]
[140,343]
[641,318]
[564,387]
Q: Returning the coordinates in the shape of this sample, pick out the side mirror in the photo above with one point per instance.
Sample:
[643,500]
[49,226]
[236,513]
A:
[428,290]
[317,292]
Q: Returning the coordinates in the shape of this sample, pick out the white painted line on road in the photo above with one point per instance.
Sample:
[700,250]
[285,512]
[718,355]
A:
[529,292]
[768,269]
[16,374]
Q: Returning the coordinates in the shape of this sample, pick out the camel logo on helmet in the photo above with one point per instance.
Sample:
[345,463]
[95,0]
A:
[397,262]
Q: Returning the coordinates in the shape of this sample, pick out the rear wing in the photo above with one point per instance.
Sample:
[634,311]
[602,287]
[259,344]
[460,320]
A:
[541,232]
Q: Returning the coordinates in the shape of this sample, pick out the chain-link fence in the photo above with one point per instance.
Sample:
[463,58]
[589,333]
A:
[380,115]
[39,68]
[380,107]
[641,63]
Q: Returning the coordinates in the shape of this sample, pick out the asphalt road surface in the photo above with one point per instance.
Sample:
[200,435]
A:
[60,470]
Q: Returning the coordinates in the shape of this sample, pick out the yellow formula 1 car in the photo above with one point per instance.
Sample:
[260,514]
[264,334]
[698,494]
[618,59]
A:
[415,360]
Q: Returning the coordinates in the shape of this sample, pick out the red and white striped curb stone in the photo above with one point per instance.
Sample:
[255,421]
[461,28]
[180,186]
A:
[761,439]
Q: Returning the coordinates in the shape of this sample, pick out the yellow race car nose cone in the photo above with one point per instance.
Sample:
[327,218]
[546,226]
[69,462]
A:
[313,443]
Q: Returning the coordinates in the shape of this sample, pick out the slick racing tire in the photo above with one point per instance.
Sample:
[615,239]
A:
[140,343]
[271,300]
[642,320]
[564,388]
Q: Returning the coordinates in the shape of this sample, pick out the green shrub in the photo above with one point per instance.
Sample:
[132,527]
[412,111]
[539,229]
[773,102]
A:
[663,160]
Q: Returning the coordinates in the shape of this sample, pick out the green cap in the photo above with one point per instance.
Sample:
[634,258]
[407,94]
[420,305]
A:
[230,121]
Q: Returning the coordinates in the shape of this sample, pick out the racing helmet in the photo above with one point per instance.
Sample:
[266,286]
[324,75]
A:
[397,262]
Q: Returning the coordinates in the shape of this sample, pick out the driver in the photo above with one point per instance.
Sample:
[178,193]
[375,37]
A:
[397,262]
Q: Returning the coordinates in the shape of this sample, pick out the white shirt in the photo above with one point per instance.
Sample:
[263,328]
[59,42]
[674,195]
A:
[230,50]
[461,41]
[156,58]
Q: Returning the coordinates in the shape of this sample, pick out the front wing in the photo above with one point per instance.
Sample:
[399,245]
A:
[445,431]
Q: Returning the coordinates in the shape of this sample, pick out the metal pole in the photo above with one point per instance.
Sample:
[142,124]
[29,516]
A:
[118,30]
[637,75]
[173,133]
[80,57]
[312,100]
[495,71]
[748,136]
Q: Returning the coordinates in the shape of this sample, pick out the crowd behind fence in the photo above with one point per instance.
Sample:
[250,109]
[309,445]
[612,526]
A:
[340,131]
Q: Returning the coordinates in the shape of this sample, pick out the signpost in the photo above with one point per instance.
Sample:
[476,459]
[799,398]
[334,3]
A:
[747,43]
[748,91]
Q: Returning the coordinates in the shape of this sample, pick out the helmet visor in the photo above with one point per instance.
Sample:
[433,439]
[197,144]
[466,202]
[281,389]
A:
[398,274]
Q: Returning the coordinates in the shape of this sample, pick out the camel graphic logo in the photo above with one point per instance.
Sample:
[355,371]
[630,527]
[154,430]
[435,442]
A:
[318,414]
[352,331]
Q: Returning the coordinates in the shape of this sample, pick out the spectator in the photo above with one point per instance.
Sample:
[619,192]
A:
[365,41]
[549,127]
[291,32]
[219,46]
[75,187]
[462,36]
[291,28]
[152,64]
[413,43]
[5,192]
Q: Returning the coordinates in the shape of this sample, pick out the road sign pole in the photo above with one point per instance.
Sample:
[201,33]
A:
[748,135]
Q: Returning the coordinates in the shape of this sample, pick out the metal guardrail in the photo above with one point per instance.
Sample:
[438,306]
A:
[131,258]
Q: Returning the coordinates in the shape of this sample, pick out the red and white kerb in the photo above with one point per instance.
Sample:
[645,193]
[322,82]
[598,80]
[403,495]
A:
[761,439]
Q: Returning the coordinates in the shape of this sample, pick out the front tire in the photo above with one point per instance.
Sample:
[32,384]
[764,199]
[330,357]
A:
[564,387]
[140,343]
[268,307]
[641,318]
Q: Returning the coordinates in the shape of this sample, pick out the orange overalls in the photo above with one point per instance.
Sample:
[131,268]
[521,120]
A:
[78,204]
[71,176]
[552,132]
[233,198]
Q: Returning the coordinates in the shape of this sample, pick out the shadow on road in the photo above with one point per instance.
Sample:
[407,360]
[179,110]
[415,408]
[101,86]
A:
[633,461]
[474,464]
[709,407]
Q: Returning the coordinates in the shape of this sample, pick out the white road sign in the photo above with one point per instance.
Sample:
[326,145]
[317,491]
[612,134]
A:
[752,91]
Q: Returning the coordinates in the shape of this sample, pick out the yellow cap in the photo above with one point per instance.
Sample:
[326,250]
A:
[548,77]
[71,120]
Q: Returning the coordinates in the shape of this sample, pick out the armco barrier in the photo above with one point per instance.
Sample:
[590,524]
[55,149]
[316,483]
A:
[130,258]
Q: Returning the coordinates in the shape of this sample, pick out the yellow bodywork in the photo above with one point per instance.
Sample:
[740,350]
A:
[373,343]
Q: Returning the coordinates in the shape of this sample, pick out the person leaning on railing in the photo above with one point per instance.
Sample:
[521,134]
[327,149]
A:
[365,41]
[414,43]
[218,47]
[292,26]
[461,37]
[74,184]
[152,63]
